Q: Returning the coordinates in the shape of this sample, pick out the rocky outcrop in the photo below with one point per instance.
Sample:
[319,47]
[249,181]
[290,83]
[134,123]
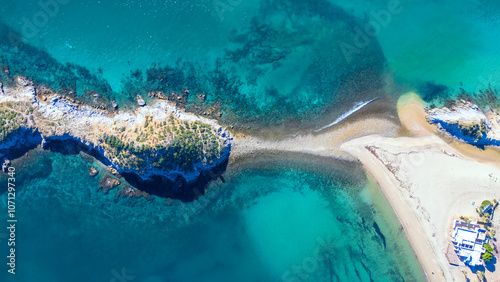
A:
[6,165]
[140,101]
[113,171]
[107,183]
[467,122]
[93,171]
[130,192]
[153,142]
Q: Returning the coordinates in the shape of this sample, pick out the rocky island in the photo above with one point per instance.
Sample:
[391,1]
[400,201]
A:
[157,148]
[466,121]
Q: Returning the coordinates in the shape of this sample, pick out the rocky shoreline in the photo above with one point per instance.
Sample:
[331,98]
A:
[468,123]
[151,144]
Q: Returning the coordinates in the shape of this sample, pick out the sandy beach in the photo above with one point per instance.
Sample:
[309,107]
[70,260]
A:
[427,179]
[429,183]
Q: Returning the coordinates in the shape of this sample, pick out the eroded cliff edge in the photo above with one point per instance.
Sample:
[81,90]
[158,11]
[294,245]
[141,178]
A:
[157,148]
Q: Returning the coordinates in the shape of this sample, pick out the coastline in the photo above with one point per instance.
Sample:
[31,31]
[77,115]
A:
[413,230]
[378,143]
[154,147]
[428,182]
[413,117]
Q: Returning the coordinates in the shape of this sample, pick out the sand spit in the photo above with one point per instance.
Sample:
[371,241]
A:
[428,183]
[326,143]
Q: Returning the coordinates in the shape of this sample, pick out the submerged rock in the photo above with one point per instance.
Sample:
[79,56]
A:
[130,192]
[108,183]
[93,171]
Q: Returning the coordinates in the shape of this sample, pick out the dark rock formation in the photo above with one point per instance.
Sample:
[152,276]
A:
[107,183]
[113,171]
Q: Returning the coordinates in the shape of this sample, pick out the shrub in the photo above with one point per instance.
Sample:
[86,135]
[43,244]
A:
[485,203]
[487,256]
[488,248]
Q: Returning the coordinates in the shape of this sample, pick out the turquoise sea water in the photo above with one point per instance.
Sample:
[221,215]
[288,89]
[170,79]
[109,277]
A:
[273,220]
[295,64]
[259,58]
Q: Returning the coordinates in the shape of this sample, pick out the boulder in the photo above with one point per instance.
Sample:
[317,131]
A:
[161,95]
[6,165]
[23,81]
[114,104]
[107,183]
[93,171]
[140,101]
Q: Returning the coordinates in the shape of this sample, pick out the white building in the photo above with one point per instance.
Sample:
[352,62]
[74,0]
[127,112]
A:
[468,240]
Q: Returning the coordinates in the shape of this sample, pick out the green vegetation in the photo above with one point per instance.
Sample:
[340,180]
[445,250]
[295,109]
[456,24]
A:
[488,248]
[485,203]
[166,146]
[480,275]
[487,256]
[9,122]
[485,216]
[114,142]
[473,130]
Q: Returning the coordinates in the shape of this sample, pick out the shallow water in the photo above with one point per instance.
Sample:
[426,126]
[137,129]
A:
[273,222]
[270,63]
[259,58]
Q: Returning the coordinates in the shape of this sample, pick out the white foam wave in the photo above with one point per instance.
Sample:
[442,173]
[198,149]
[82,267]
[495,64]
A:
[358,106]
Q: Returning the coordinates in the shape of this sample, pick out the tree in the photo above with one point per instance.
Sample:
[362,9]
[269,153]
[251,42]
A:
[488,248]
[485,203]
[487,256]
